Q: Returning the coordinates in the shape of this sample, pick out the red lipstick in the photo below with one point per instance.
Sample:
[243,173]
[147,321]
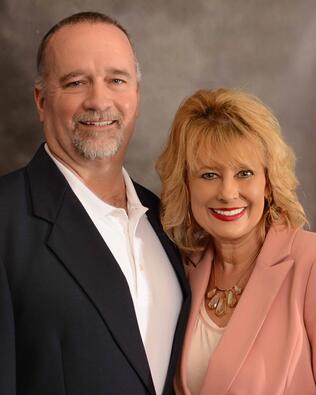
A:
[228,214]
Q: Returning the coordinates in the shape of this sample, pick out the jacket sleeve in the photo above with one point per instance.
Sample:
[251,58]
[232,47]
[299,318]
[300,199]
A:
[7,343]
[310,315]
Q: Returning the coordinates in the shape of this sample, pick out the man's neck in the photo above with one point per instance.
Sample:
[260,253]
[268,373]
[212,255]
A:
[103,177]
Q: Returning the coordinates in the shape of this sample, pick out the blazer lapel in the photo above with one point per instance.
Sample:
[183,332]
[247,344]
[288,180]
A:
[79,246]
[271,268]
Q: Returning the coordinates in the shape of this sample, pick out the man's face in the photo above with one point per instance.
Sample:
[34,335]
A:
[89,102]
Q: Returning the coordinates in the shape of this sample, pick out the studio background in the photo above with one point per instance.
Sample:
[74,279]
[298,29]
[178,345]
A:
[265,47]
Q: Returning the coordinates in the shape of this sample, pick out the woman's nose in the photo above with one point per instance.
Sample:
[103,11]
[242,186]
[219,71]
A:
[228,189]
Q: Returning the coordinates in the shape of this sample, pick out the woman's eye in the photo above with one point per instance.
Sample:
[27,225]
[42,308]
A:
[209,176]
[245,173]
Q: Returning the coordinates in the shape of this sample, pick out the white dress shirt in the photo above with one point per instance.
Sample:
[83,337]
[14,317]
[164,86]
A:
[153,285]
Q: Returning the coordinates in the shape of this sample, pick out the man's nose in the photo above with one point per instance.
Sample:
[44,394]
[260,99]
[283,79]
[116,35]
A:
[228,189]
[99,97]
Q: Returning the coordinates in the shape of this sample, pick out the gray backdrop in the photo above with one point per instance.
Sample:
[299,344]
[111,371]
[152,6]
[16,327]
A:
[266,47]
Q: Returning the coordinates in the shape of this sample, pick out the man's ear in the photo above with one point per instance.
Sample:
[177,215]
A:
[39,101]
[138,100]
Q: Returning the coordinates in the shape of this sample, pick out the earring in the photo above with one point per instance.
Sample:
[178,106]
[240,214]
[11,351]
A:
[269,201]
[273,212]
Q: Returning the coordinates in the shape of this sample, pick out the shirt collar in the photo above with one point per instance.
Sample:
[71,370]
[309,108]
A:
[95,206]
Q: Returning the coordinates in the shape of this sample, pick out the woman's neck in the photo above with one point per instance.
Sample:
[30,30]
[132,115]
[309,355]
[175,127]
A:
[237,254]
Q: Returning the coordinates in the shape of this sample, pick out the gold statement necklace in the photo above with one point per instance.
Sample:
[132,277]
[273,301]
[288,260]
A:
[219,299]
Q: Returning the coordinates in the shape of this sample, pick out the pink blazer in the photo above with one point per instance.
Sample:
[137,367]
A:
[269,345]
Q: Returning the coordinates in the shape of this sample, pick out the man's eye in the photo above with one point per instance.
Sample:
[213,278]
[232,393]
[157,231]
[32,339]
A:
[245,173]
[118,81]
[209,176]
[74,84]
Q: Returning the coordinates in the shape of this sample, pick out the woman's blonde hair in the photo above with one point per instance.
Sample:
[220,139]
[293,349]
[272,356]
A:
[212,121]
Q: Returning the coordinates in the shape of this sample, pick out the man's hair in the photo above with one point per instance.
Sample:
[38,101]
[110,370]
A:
[81,17]
[221,121]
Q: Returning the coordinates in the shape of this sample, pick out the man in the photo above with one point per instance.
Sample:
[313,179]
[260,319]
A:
[93,298]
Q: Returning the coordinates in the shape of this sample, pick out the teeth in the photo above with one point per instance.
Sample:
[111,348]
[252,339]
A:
[229,213]
[101,123]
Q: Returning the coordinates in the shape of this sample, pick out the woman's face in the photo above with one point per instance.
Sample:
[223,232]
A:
[227,201]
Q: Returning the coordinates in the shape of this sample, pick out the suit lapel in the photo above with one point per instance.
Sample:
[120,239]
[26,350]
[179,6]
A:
[79,246]
[271,268]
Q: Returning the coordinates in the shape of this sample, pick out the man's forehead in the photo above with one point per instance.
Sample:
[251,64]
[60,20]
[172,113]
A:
[76,46]
[75,35]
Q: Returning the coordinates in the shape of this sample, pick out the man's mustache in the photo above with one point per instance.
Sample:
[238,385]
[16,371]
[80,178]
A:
[98,116]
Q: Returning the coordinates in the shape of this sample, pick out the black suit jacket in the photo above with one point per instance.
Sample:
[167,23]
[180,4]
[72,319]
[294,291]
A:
[67,321]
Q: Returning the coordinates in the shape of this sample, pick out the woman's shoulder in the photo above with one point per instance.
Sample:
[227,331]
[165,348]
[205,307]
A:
[306,234]
[293,247]
[282,243]
[303,250]
[304,239]
[292,239]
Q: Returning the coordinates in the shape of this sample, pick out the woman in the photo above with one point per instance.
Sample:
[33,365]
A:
[229,202]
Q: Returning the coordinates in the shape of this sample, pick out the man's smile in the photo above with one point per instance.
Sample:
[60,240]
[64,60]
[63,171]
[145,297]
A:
[98,123]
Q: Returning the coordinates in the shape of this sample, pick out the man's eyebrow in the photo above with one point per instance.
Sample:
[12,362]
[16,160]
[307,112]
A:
[72,74]
[112,71]
[119,72]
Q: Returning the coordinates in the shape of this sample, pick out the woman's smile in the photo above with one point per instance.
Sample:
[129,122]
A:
[228,214]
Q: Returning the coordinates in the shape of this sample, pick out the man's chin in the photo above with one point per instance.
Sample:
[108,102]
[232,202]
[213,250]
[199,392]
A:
[93,152]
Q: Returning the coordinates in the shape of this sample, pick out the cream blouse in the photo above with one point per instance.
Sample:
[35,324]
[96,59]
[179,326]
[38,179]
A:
[205,338]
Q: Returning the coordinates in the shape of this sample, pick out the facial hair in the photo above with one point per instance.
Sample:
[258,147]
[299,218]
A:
[98,144]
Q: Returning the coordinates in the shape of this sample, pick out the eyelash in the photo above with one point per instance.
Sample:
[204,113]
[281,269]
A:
[248,172]
[242,174]
[118,81]
[73,84]
[209,176]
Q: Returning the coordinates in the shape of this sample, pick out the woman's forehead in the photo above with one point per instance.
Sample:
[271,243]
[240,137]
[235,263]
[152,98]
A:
[234,153]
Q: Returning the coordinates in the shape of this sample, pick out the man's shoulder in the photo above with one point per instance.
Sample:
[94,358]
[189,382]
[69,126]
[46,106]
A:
[13,184]
[11,181]
[15,177]
[13,196]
